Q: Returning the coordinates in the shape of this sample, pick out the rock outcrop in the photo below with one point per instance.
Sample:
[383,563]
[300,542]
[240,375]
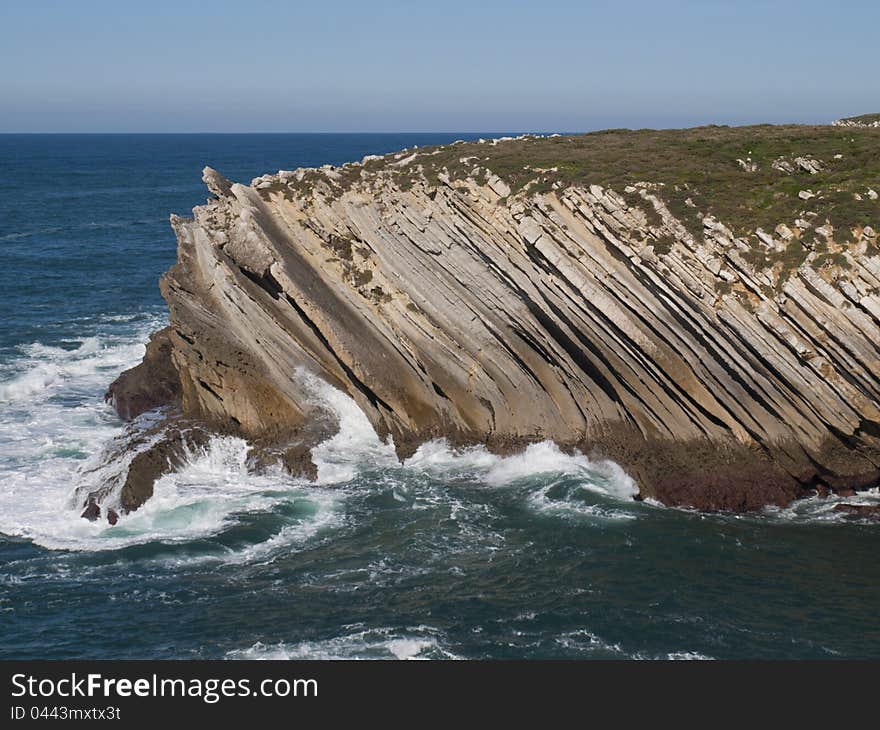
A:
[460,305]
[866,120]
[859,511]
[154,383]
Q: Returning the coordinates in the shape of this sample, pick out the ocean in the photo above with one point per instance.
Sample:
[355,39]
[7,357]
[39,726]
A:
[448,555]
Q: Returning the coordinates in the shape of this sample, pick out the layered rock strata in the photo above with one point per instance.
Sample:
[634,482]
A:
[455,308]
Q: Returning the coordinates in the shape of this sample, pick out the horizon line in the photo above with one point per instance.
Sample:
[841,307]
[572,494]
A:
[454,131]
[434,131]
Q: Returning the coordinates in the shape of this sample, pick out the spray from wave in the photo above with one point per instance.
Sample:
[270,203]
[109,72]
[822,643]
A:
[57,432]
[342,457]
[53,420]
[55,428]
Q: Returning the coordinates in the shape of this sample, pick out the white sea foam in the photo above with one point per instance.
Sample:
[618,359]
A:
[52,418]
[603,477]
[587,642]
[537,459]
[437,457]
[356,446]
[591,484]
[206,497]
[341,457]
[420,642]
[54,431]
[822,509]
[573,504]
[584,641]
[45,371]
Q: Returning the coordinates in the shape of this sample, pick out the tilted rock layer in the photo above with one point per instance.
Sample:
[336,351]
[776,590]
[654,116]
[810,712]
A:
[448,305]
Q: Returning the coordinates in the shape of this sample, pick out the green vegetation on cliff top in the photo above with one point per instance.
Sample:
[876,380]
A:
[698,165]
[701,165]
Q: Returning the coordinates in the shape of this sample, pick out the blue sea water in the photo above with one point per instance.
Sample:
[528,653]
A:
[452,554]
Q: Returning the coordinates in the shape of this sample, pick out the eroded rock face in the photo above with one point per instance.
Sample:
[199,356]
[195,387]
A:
[455,309]
[153,383]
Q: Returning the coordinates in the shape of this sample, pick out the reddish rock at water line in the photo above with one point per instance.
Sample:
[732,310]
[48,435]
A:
[866,511]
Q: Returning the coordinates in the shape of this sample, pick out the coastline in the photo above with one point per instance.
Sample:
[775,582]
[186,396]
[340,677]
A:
[559,312]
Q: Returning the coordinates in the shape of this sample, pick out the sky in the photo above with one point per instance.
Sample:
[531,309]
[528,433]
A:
[384,65]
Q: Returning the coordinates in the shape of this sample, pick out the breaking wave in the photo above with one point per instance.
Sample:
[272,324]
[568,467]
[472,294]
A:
[53,421]
[56,433]
[823,509]
[55,429]
[439,517]
[420,642]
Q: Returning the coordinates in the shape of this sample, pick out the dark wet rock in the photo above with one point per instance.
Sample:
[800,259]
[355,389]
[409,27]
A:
[295,456]
[166,455]
[846,485]
[299,463]
[151,384]
[294,452]
[92,512]
[822,490]
[158,448]
[867,511]
[740,488]
[699,474]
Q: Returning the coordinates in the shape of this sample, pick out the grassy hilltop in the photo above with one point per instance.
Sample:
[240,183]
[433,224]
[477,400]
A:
[820,181]
[701,165]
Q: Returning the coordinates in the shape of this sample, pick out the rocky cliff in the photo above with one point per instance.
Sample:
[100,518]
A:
[701,306]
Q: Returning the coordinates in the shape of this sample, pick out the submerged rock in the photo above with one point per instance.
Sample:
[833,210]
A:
[147,451]
[866,511]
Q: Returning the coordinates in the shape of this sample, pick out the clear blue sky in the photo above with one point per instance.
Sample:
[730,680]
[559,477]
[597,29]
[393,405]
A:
[383,65]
